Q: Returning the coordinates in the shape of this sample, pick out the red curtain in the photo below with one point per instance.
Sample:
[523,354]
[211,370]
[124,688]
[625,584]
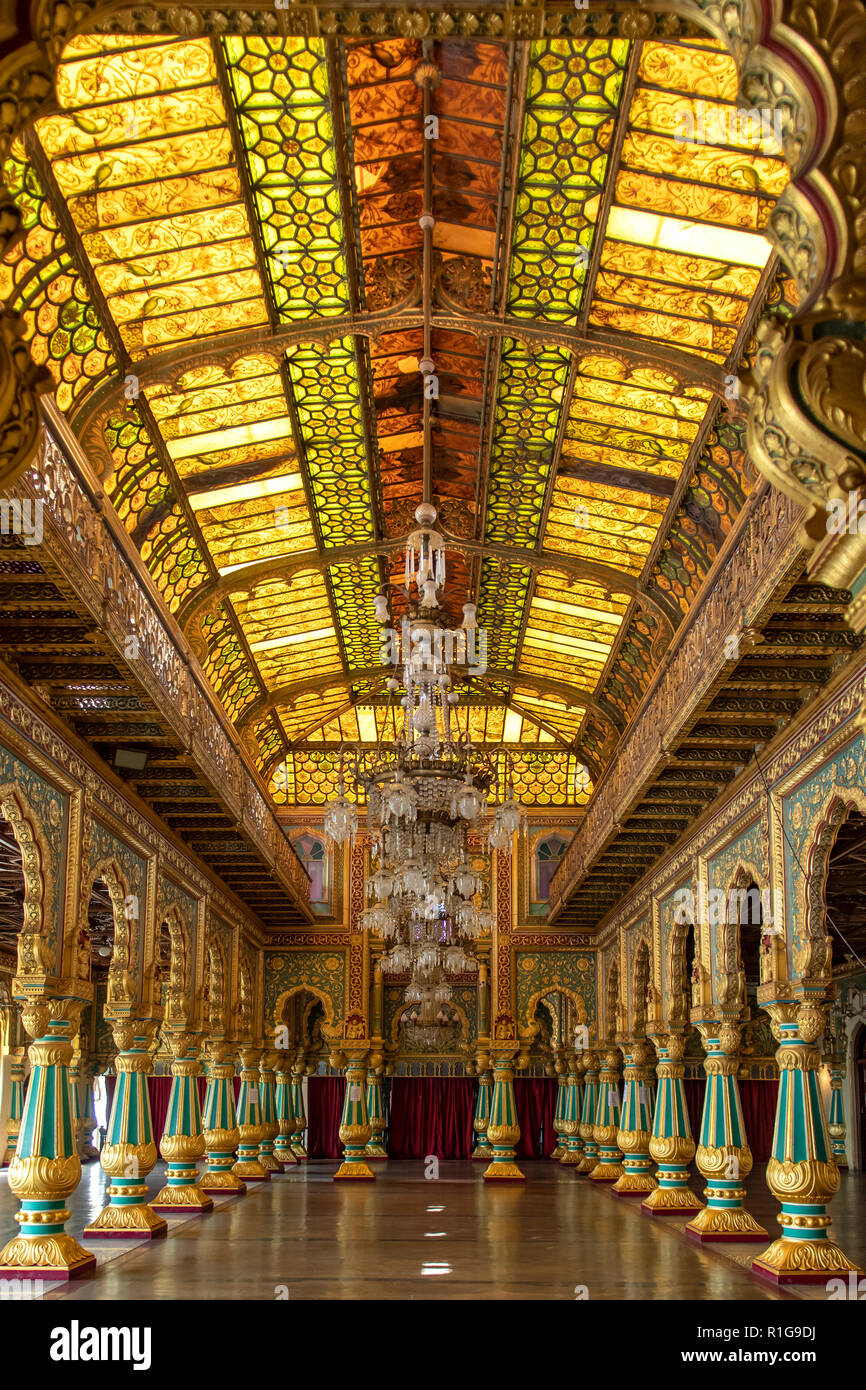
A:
[535,1097]
[694,1090]
[325,1096]
[431,1115]
[159,1088]
[758,1099]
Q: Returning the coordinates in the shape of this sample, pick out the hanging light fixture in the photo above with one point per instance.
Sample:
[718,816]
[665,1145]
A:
[426,791]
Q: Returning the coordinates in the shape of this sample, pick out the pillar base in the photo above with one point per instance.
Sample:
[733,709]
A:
[270,1164]
[671,1201]
[503,1172]
[251,1171]
[300,1153]
[725,1224]
[127,1223]
[802,1262]
[634,1185]
[227,1183]
[45,1257]
[354,1172]
[286,1158]
[607,1172]
[482,1153]
[189,1198]
[376,1153]
[571,1158]
[557,1152]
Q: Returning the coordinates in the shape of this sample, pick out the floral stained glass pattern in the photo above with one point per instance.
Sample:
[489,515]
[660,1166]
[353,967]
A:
[280,88]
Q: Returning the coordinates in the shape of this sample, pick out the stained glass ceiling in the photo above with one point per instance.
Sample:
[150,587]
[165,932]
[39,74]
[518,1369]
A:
[223,269]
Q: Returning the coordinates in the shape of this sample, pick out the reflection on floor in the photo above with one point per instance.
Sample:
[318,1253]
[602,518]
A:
[301,1236]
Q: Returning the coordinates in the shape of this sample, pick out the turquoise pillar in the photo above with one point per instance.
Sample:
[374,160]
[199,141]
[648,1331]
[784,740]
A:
[269,1122]
[481,1119]
[129,1152]
[182,1143]
[671,1146]
[298,1111]
[801,1172]
[570,1123]
[503,1130]
[589,1064]
[723,1156]
[250,1129]
[220,1124]
[45,1168]
[559,1113]
[609,1166]
[285,1116]
[375,1114]
[16,1102]
[836,1118]
[355,1128]
[635,1126]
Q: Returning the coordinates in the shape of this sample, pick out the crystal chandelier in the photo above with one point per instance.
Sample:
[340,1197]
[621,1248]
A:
[426,792]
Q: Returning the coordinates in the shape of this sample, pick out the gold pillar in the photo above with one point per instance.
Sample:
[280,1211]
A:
[250,1130]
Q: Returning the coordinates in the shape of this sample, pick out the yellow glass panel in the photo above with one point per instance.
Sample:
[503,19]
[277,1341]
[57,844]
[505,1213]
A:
[149,118]
[702,121]
[230,438]
[292,639]
[690,69]
[634,396]
[193,424]
[123,68]
[727,244]
[571,611]
[673,198]
[167,234]
[147,334]
[140,163]
[670,299]
[282,485]
[707,338]
[641,420]
[698,271]
[180,299]
[171,198]
[153,273]
[704,163]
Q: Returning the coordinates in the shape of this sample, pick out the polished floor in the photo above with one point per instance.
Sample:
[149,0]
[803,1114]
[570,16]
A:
[302,1236]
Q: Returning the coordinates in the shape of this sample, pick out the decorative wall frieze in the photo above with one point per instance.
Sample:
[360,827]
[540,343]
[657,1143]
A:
[80,540]
[36,742]
[761,551]
[753,800]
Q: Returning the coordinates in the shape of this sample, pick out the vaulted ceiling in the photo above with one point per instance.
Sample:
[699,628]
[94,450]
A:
[225,271]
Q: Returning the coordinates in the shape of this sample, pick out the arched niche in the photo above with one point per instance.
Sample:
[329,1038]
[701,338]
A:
[36,951]
[813,956]
[110,920]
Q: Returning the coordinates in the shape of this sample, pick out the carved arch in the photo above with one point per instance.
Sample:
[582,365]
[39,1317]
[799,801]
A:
[814,962]
[613,1004]
[126,912]
[577,1000]
[731,983]
[318,996]
[641,974]
[178,1000]
[217,999]
[37,954]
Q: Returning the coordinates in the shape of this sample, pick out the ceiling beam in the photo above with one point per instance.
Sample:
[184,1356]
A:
[284,695]
[285,567]
[221,349]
